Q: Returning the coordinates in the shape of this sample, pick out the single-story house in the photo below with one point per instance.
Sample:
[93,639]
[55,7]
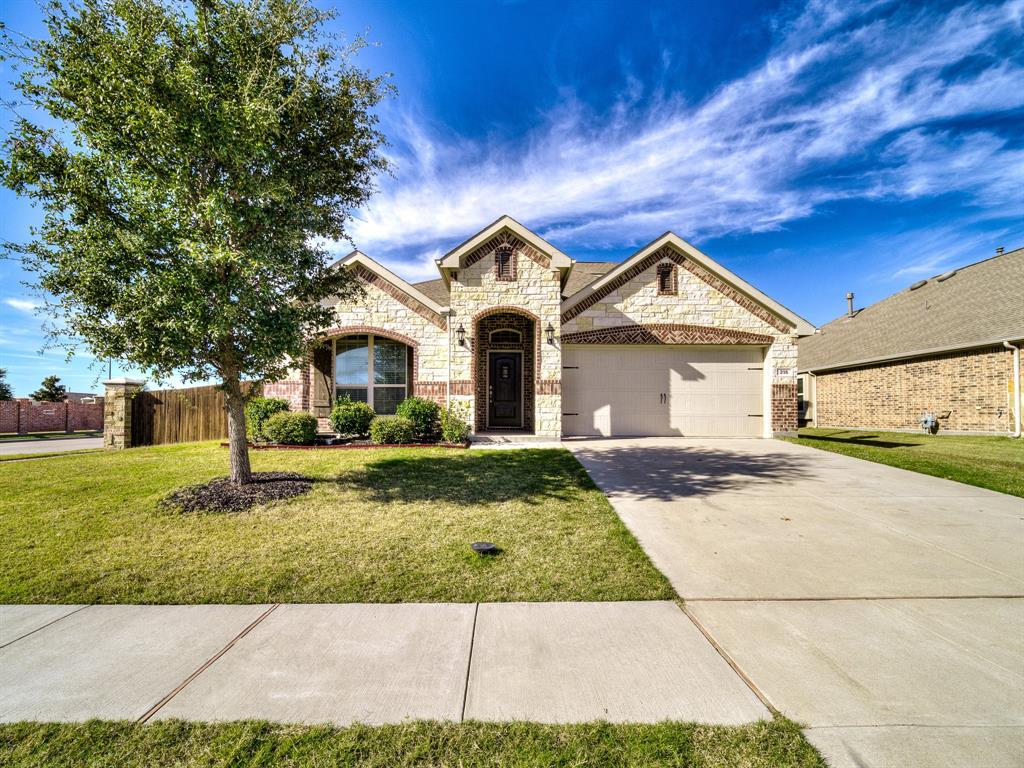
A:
[667,342]
[948,345]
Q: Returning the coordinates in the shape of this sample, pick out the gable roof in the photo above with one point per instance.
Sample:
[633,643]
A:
[453,259]
[376,274]
[436,289]
[676,245]
[585,272]
[973,306]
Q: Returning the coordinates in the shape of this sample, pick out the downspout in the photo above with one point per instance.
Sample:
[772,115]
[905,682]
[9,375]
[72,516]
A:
[813,378]
[1016,388]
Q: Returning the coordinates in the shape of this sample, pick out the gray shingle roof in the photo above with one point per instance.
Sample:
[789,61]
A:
[434,289]
[979,304]
[585,272]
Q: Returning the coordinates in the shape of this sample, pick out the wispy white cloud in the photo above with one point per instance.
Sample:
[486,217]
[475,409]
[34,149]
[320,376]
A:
[22,305]
[853,101]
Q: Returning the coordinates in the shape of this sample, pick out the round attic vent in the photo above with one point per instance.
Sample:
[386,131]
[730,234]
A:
[946,275]
[918,284]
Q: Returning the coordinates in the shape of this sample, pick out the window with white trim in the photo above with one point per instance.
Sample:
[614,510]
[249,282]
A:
[372,369]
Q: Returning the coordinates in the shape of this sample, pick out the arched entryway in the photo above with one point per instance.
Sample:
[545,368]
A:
[505,355]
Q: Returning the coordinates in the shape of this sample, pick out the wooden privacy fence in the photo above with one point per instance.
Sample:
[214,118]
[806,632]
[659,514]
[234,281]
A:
[179,415]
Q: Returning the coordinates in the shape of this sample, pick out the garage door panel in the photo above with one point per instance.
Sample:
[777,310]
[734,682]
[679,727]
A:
[617,390]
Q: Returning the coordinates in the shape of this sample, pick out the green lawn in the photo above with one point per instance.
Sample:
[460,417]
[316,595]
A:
[768,744]
[389,525]
[989,462]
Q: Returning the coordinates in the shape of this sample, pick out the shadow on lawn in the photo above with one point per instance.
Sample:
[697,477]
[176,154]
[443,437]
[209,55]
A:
[869,440]
[665,473]
[471,477]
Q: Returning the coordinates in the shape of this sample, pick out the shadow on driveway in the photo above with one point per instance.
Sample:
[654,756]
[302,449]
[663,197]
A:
[664,473]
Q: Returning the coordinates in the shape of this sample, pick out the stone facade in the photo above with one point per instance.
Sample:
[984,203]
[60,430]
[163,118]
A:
[704,309]
[970,391]
[505,282]
[117,412]
[535,293]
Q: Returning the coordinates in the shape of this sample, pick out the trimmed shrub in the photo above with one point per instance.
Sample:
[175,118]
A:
[454,423]
[424,414]
[257,411]
[351,417]
[391,430]
[291,428]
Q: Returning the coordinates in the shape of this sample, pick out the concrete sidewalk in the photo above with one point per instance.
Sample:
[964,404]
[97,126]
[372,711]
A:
[547,662]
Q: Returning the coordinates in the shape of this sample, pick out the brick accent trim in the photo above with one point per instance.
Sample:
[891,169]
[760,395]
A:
[529,345]
[668,252]
[400,296]
[549,387]
[784,408]
[508,240]
[432,390]
[461,387]
[657,333]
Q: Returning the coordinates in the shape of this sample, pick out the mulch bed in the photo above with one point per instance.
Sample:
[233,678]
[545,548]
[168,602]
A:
[349,446]
[221,495]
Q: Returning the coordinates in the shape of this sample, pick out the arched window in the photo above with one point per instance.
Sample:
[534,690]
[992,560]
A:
[506,336]
[372,369]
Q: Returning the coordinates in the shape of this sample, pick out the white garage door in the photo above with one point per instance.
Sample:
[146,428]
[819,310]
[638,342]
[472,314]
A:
[662,390]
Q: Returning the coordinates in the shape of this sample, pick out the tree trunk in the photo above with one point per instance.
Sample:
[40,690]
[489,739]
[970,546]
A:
[238,444]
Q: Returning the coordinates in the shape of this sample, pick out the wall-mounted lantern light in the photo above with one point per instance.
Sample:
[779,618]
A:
[461,333]
[551,334]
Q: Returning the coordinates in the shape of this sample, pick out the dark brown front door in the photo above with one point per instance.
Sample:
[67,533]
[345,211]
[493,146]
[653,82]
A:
[505,390]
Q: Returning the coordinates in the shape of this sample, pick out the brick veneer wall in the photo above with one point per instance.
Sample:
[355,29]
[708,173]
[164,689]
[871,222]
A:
[527,330]
[973,386]
[784,408]
[24,416]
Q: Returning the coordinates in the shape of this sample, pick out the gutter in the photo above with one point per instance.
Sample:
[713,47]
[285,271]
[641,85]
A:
[1016,388]
[900,357]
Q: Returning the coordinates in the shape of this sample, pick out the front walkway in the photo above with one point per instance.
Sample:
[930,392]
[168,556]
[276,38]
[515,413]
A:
[547,662]
[882,608]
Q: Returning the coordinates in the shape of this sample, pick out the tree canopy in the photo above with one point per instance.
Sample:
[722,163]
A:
[6,393]
[50,391]
[203,155]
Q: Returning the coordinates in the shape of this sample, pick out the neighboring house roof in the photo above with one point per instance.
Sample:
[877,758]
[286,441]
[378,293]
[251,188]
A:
[973,306]
[690,252]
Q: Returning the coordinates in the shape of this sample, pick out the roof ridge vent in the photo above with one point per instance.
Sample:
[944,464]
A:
[918,284]
[946,275]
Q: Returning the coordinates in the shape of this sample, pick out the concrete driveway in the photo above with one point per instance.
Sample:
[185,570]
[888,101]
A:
[882,608]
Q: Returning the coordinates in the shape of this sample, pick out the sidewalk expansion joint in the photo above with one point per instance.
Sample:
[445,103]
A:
[469,663]
[48,624]
[207,664]
[729,660]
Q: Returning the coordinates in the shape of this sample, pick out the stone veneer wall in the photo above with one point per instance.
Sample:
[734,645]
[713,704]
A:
[974,386]
[381,309]
[700,301]
[476,291]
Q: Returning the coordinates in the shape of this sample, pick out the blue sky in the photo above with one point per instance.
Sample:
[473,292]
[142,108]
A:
[813,149]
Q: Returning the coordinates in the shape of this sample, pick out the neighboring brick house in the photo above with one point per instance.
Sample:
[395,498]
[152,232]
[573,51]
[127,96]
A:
[665,343]
[949,345]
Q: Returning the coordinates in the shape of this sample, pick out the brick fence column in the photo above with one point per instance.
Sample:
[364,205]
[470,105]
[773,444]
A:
[117,412]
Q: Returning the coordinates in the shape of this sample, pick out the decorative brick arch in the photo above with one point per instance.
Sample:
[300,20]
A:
[530,346]
[353,330]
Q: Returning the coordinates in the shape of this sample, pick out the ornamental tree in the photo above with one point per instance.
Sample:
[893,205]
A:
[194,158]
[6,393]
[50,391]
